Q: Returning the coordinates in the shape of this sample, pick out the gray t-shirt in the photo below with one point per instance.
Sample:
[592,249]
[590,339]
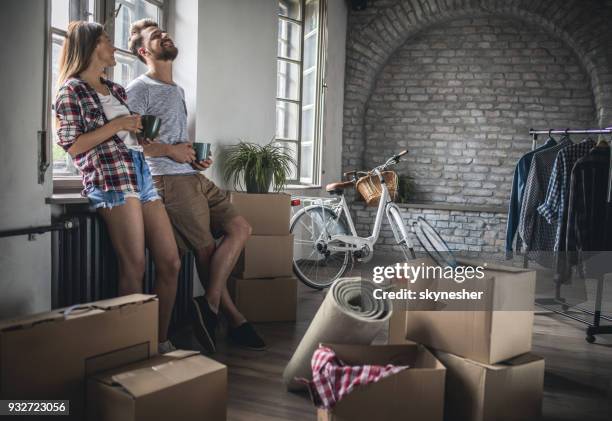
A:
[166,101]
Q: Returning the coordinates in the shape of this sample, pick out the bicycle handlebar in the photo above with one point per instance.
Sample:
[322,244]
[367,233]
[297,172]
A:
[391,161]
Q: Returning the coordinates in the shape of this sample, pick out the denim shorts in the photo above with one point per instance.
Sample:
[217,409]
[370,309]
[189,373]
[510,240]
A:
[109,199]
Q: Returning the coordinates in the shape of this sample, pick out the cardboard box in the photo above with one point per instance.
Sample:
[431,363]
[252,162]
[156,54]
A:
[487,336]
[397,321]
[508,391]
[397,327]
[416,393]
[49,355]
[178,386]
[266,256]
[268,214]
[266,300]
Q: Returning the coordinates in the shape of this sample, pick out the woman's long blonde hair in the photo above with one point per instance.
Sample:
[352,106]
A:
[79,45]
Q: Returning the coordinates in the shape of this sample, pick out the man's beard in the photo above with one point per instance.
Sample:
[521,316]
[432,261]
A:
[167,54]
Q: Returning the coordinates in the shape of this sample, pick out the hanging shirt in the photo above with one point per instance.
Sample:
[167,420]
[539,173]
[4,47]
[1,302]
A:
[537,235]
[588,205]
[554,208]
[516,195]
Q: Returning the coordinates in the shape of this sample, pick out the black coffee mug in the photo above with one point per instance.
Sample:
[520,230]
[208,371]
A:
[150,126]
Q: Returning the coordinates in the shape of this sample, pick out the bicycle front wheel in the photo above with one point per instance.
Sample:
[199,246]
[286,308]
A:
[313,263]
[400,233]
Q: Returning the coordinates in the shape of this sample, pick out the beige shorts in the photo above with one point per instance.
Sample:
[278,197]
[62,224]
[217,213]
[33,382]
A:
[197,208]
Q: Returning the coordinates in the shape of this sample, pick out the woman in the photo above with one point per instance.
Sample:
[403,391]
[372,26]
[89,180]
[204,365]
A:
[95,126]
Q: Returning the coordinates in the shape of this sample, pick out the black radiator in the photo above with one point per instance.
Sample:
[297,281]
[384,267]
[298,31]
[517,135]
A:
[85,269]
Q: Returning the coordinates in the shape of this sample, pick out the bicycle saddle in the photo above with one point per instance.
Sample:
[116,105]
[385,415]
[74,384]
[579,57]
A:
[338,187]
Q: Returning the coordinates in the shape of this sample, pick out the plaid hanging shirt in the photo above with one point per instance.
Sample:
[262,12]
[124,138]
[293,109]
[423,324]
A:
[537,235]
[332,379]
[521,174]
[78,110]
[554,208]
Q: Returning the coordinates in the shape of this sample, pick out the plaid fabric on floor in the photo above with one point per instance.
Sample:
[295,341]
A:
[332,379]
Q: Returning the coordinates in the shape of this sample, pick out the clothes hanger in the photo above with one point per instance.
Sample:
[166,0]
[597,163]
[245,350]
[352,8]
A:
[566,136]
[550,135]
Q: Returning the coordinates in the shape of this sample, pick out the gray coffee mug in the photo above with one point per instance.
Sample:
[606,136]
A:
[202,150]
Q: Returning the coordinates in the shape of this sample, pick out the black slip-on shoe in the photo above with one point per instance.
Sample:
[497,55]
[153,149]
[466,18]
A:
[204,324]
[245,336]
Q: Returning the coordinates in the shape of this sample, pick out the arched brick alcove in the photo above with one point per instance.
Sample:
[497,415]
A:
[576,32]
[374,35]
[461,95]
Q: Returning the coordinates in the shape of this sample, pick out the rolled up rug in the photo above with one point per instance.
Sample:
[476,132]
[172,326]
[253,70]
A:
[349,314]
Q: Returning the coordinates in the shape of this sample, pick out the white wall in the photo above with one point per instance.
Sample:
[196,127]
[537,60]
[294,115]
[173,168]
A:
[236,83]
[183,27]
[25,266]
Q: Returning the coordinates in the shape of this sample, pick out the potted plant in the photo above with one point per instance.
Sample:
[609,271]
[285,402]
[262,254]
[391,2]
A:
[405,189]
[257,166]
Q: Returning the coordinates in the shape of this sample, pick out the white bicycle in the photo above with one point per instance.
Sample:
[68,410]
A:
[326,244]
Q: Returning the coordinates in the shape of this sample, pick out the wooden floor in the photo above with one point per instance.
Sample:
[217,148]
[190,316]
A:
[578,381]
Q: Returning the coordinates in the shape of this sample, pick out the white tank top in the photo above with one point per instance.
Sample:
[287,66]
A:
[113,109]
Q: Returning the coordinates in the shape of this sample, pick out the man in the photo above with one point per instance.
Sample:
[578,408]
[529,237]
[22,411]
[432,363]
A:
[197,208]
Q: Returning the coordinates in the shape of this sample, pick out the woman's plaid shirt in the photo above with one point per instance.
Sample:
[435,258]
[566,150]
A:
[78,110]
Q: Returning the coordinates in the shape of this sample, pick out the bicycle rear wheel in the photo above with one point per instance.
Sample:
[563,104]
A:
[313,263]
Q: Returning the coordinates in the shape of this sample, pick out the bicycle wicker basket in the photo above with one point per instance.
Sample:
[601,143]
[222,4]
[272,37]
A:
[370,189]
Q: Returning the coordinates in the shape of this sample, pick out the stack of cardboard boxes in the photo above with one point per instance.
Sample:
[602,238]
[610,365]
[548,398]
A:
[490,373]
[102,358]
[263,286]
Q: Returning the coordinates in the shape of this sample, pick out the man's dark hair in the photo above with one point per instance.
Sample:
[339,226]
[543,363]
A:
[136,29]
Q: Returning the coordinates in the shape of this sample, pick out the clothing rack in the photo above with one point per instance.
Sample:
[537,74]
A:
[535,133]
[594,327]
[608,130]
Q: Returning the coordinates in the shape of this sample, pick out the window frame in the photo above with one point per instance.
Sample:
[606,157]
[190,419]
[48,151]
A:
[78,10]
[318,100]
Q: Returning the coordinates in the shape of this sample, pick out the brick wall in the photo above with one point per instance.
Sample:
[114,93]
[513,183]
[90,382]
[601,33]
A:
[462,96]
[462,230]
[374,36]
[460,82]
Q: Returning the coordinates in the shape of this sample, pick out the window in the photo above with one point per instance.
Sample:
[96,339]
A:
[117,16]
[299,89]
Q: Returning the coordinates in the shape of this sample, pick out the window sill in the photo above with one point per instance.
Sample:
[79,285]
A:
[302,186]
[67,185]
[66,199]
